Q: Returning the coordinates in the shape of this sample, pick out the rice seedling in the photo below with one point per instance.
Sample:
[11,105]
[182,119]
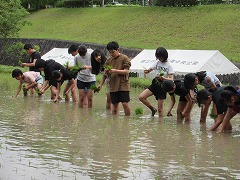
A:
[161,72]
[212,115]
[66,64]
[108,67]
[139,110]
[94,88]
[75,69]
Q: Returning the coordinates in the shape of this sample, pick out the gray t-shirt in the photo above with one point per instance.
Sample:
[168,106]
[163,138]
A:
[84,75]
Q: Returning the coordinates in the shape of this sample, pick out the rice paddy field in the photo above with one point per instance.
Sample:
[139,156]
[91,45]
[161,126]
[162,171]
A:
[40,139]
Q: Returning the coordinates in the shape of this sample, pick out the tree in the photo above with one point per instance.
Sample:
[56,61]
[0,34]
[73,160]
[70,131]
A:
[11,18]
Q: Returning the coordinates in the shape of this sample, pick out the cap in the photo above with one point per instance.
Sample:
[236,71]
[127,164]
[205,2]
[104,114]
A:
[168,85]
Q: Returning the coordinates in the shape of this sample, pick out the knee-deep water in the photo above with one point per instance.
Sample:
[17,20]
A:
[44,140]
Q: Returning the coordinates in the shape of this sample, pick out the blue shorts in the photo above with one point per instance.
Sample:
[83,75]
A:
[120,96]
[84,85]
[39,80]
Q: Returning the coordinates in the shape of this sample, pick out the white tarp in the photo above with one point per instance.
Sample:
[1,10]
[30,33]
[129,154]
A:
[186,61]
[60,55]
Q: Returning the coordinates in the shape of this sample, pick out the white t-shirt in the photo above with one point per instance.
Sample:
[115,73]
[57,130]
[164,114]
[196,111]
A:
[166,67]
[84,75]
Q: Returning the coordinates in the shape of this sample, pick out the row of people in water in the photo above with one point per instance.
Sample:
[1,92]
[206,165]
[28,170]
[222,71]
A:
[115,71]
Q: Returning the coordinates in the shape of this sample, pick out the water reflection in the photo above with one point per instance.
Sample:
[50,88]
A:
[43,140]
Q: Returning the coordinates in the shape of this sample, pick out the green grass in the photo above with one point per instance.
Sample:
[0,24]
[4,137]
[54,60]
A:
[8,83]
[212,27]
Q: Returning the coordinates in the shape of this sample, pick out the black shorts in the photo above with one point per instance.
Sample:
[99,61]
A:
[157,90]
[182,98]
[54,82]
[120,96]
[84,85]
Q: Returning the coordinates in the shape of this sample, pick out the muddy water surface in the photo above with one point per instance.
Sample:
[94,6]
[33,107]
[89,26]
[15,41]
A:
[43,140]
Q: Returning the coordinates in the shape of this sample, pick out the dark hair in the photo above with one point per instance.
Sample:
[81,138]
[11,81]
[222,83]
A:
[56,74]
[161,53]
[40,63]
[16,72]
[228,92]
[201,75]
[112,46]
[72,48]
[202,95]
[189,80]
[82,50]
[27,46]
[168,85]
[97,66]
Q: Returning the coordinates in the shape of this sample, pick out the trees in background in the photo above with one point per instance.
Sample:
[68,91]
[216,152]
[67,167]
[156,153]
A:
[11,18]
[175,3]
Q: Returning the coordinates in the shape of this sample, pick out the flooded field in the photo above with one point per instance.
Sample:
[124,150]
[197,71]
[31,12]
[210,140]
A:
[43,140]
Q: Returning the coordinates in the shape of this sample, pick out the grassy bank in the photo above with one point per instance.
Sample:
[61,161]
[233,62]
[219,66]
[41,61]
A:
[212,27]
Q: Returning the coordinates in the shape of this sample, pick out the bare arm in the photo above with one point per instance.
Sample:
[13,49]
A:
[104,77]
[119,71]
[204,112]
[44,87]
[212,84]
[31,85]
[169,77]
[18,90]
[29,64]
[172,103]
[71,86]
[229,115]
[217,123]
[188,106]
[146,71]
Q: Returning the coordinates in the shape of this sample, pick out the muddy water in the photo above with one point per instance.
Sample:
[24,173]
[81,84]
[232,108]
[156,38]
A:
[43,140]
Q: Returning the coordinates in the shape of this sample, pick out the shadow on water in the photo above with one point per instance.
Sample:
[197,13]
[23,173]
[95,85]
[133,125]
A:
[43,140]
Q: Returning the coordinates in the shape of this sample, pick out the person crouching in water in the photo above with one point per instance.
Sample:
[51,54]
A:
[48,67]
[184,108]
[64,75]
[32,79]
[231,96]
[205,97]
[210,82]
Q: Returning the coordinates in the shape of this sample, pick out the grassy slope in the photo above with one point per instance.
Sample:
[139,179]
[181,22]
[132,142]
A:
[201,27]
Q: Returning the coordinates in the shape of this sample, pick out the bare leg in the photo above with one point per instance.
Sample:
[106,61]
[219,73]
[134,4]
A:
[143,98]
[82,96]
[90,98]
[108,101]
[126,108]
[115,109]
[180,109]
[160,107]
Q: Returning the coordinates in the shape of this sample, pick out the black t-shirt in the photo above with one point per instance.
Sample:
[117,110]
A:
[51,65]
[67,74]
[180,89]
[216,98]
[34,55]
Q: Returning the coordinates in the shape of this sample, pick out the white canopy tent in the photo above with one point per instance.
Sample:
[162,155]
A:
[60,55]
[186,61]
